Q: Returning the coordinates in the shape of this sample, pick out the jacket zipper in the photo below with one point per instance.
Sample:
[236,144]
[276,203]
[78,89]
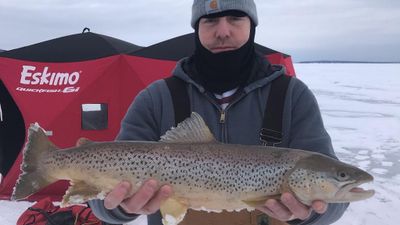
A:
[222,117]
[222,120]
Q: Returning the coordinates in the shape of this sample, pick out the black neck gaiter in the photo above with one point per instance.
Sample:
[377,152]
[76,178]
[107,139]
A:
[224,71]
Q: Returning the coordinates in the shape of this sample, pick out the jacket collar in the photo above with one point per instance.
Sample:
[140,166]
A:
[262,73]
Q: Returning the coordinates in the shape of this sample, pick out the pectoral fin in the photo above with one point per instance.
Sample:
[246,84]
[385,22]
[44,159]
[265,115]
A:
[80,192]
[257,202]
[173,211]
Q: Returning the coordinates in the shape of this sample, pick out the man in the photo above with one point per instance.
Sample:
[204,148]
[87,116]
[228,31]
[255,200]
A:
[225,66]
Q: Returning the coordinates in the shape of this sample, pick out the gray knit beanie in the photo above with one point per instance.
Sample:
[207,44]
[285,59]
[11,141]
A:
[205,7]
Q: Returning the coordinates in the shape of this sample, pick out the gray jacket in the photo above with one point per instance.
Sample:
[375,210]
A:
[152,114]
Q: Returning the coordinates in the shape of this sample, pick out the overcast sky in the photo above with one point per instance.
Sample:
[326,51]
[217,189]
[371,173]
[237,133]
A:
[306,29]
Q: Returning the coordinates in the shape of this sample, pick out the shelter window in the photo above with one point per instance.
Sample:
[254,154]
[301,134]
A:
[94,116]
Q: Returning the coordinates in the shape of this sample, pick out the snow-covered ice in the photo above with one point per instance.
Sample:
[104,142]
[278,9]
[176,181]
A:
[360,104]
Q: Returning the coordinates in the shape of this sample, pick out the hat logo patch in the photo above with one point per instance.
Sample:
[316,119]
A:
[212,6]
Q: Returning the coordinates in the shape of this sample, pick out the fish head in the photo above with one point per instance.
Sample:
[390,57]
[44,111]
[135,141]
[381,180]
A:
[319,177]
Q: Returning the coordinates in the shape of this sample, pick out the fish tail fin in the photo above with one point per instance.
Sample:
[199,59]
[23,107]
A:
[32,178]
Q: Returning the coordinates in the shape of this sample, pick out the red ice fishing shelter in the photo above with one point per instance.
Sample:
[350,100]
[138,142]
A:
[79,86]
[73,86]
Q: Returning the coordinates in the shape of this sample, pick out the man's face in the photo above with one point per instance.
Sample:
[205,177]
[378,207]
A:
[225,33]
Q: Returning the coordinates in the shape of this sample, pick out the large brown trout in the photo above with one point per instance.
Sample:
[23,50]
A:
[204,174]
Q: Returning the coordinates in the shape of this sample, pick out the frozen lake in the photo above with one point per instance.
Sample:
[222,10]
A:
[360,104]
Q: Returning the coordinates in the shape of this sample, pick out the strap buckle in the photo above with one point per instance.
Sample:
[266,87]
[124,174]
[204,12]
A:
[270,137]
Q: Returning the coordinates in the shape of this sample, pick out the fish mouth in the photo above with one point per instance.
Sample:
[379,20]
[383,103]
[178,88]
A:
[353,192]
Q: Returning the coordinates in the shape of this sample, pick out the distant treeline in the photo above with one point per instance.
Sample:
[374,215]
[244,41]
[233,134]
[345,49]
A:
[338,61]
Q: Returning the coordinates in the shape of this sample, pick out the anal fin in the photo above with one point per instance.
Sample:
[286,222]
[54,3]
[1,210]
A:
[80,192]
[257,202]
[173,211]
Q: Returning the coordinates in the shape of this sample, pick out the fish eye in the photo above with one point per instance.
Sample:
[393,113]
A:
[341,175]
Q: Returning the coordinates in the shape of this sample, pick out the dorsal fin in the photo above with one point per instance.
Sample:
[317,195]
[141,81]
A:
[191,130]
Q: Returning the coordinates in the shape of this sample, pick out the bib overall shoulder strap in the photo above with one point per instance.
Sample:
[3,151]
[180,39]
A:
[271,131]
[180,98]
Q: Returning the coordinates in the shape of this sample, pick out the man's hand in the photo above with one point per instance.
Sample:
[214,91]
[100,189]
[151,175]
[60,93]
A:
[289,208]
[146,200]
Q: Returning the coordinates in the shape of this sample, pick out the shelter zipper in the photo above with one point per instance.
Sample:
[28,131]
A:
[1,114]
